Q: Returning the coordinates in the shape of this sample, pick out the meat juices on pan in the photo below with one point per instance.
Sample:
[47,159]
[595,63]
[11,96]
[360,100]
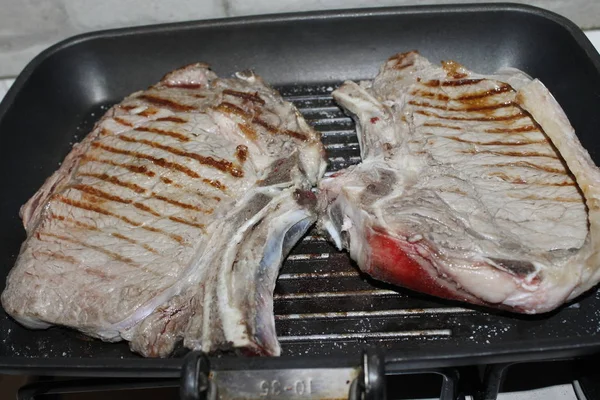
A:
[170,220]
[471,187]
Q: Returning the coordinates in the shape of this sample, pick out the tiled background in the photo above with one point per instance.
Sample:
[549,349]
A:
[29,26]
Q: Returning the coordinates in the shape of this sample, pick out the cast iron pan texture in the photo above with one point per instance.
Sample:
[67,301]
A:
[57,98]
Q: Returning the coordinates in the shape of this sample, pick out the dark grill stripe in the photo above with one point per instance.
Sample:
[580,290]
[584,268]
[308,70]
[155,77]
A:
[461,82]
[173,236]
[172,118]
[491,143]
[248,131]
[148,112]
[123,121]
[270,128]
[182,85]
[229,108]
[138,169]
[99,249]
[439,125]
[219,164]
[400,66]
[163,132]
[511,153]
[114,180]
[149,210]
[82,225]
[99,193]
[457,82]
[430,95]
[520,181]
[475,108]
[58,256]
[530,165]
[511,117]
[170,182]
[186,222]
[158,161]
[468,97]
[94,208]
[487,93]
[133,241]
[254,97]
[75,222]
[181,204]
[159,101]
[520,129]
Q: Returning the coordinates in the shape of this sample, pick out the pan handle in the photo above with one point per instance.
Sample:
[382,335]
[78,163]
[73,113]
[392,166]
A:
[195,382]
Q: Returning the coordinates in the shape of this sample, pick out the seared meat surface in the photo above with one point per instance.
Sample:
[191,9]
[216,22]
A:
[170,220]
[471,187]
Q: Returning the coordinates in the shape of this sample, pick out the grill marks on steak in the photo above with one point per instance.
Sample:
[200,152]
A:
[461,193]
[135,237]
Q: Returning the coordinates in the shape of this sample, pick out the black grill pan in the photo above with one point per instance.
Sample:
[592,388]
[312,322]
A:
[326,312]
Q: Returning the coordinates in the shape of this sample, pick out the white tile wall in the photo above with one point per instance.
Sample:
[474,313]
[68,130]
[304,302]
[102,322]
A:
[585,13]
[28,26]
[88,15]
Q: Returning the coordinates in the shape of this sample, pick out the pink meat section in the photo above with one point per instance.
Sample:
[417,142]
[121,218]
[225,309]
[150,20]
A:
[391,263]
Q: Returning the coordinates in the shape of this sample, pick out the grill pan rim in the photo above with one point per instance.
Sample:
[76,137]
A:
[398,360]
[55,49]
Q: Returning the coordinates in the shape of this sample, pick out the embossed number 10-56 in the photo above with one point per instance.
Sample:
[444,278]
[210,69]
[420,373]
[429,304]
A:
[275,388]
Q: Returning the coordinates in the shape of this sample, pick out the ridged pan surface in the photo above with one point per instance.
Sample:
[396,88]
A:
[323,306]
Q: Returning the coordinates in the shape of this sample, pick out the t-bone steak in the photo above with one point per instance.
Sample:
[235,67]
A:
[471,187]
[170,220]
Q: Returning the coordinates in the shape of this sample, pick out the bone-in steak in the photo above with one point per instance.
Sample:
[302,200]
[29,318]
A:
[472,187]
[171,219]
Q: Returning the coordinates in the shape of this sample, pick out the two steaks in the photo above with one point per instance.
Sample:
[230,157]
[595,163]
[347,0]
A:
[171,219]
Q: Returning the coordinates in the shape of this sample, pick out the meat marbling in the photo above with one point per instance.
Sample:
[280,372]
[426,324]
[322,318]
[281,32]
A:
[170,220]
[471,187]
